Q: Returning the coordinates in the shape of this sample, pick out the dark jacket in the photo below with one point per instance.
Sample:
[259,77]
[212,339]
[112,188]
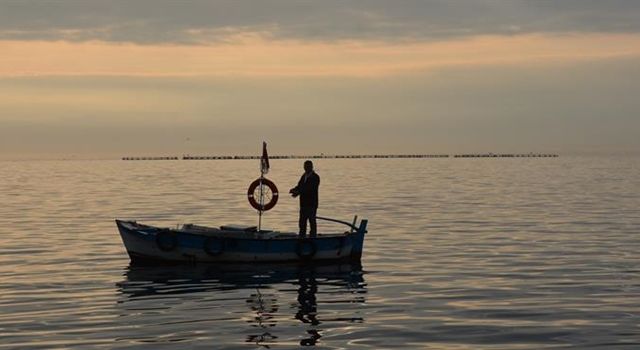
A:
[309,190]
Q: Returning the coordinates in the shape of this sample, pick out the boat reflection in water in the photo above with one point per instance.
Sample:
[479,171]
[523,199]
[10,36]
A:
[281,303]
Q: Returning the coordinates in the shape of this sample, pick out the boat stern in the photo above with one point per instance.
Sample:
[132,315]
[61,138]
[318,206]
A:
[358,242]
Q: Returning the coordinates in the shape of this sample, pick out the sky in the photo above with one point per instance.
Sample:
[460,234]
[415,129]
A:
[105,79]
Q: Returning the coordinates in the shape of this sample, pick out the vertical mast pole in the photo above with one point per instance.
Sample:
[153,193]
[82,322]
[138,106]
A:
[261,199]
[264,168]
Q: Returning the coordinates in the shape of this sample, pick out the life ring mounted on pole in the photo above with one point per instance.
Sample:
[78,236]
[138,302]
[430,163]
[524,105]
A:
[269,193]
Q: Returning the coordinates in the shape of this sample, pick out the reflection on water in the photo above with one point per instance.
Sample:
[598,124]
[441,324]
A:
[273,295]
[489,254]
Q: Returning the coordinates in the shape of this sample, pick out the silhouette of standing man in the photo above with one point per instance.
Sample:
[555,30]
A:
[307,189]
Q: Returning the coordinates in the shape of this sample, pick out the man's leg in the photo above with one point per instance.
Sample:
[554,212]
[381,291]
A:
[312,222]
[302,223]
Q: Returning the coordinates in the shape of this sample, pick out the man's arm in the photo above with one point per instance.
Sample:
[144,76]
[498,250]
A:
[295,192]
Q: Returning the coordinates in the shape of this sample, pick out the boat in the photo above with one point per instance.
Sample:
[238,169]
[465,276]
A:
[242,243]
[238,244]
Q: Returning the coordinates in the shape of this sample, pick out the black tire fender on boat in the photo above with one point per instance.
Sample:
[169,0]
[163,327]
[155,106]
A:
[300,248]
[341,242]
[167,240]
[213,246]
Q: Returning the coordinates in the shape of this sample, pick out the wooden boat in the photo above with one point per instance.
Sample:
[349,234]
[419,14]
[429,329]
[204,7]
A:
[193,243]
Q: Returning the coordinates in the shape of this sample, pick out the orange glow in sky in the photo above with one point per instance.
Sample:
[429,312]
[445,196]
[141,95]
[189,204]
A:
[254,56]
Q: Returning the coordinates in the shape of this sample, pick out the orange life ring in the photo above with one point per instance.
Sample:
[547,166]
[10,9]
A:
[274,194]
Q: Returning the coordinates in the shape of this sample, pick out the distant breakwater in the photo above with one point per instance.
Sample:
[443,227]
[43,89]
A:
[353,156]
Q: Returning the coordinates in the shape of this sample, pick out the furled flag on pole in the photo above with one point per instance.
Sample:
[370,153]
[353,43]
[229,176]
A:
[264,161]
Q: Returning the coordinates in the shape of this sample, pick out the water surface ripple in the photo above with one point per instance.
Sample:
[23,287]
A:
[461,254]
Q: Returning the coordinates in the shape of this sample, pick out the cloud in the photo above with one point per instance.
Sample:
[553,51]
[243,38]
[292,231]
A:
[256,57]
[135,77]
[206,22]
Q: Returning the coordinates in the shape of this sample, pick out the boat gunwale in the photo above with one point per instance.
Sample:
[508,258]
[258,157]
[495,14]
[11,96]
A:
[292,236]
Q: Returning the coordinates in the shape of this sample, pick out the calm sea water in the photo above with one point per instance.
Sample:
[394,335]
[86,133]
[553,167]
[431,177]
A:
[461,254]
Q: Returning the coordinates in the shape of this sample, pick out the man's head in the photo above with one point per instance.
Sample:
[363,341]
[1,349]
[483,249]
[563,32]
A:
[308,166]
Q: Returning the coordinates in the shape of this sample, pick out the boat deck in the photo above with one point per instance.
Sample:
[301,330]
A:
[232,231]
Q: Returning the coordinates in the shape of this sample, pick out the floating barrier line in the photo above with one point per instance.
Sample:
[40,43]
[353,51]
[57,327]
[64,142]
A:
[506,155]
[355,156]
[150,158]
